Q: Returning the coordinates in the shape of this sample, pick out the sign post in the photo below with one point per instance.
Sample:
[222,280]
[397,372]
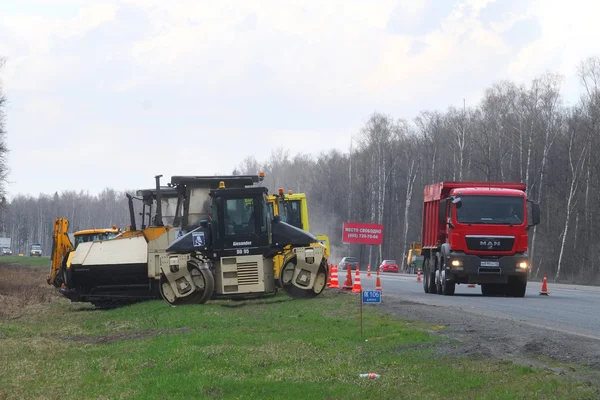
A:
[368,296]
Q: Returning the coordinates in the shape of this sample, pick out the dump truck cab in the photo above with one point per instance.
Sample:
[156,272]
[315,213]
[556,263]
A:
[230,239]
[477,233]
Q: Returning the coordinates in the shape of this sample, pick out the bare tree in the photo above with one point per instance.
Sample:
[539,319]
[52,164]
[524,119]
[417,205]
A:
[3,147]
[577,152]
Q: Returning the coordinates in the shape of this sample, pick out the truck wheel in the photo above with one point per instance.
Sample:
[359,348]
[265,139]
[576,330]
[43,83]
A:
[517,288]
[425,276]
[438,278]
[448,287]
[431,278]
[491,289]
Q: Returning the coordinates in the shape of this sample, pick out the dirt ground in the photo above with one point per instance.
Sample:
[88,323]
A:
[21,287]
[466,334]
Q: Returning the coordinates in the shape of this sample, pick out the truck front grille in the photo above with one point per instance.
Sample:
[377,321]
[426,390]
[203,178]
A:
[490,243]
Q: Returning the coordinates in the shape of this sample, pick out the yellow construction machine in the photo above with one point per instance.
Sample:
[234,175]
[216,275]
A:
[293,209]
[106,269]
[61,244]
[414,258]
[219,242]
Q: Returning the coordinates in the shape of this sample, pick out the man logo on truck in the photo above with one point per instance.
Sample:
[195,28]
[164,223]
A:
[490,244]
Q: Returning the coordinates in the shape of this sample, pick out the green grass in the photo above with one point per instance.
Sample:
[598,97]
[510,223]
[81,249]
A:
[25,260]
[262,349]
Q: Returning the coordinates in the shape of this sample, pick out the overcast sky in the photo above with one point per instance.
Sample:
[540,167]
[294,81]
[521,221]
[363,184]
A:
[111,93]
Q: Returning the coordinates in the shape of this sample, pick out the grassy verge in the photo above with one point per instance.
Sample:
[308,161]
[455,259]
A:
[25,261]
[274,348]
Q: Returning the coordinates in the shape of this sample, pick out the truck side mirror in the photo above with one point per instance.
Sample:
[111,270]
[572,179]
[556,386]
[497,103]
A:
[457,201]
[535,213]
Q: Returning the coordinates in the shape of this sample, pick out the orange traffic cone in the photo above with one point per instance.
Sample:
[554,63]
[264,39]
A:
[368,270]
[419,274]
[378,282]
[357,286]
[348,283]
[334,278]
[544,291]
[329,275]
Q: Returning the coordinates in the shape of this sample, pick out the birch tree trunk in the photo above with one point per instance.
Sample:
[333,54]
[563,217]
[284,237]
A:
[575,169]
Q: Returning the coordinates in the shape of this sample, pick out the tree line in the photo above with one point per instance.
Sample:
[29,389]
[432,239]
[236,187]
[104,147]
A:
[517,132]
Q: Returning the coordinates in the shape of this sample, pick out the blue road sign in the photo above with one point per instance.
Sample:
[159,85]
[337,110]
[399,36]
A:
[371,296]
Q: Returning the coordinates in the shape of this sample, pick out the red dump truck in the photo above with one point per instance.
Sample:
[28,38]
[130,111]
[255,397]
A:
[477,233]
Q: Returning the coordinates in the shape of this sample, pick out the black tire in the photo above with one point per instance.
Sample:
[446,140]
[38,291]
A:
[425,276]
[492,289]
[517,288]
[431,275]
[438,281]
[448,287]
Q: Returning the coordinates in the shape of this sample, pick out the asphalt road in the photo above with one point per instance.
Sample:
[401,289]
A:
[569,308]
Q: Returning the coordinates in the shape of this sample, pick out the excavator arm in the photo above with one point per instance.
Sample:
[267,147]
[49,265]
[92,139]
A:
[61,246]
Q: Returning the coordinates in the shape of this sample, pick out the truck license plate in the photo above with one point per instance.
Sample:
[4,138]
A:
[490,263]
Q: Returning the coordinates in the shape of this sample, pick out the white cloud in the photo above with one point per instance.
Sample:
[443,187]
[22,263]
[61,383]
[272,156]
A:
[121,77]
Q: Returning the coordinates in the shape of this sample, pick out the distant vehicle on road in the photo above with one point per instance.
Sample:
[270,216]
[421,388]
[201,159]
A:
[36,250]
[6,251]
[389,266]
[417,262]
[348,261]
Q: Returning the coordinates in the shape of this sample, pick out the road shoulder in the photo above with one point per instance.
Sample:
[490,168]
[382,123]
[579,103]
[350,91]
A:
[464,333]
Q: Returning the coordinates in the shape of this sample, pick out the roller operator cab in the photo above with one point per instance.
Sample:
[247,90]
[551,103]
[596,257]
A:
[292,208]
[477,233]
[228,249]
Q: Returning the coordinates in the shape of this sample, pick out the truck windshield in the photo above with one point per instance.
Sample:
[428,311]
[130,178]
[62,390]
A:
[36,247]
[491,210]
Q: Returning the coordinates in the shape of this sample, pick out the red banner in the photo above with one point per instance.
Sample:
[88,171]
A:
[355,232]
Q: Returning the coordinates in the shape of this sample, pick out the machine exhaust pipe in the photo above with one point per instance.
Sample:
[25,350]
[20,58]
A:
[131,212]
[158,218]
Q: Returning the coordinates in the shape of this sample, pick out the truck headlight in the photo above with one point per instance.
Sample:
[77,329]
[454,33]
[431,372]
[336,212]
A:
[456,264]
[522,265]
